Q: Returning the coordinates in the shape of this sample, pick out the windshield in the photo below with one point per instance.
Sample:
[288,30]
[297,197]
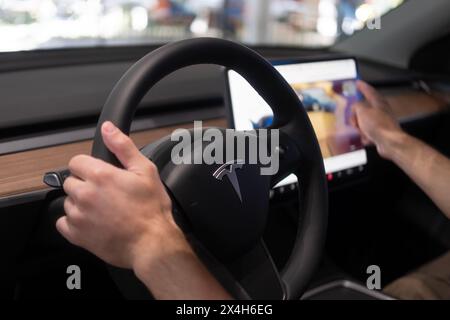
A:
[45,24]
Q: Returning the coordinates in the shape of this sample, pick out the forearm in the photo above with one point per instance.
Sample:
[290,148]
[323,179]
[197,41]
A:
[428,168]
[173,271]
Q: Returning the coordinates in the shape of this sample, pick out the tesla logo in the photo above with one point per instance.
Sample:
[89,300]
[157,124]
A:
[229,169]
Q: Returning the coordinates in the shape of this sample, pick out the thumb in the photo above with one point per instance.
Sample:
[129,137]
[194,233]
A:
[123,147]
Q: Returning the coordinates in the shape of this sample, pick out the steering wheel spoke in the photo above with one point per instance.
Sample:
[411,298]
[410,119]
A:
[252,275]
[258,275]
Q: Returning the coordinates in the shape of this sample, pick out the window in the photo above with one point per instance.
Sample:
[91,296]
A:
[44,24]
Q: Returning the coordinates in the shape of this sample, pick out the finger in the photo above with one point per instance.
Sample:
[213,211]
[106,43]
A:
[366,141]
[370,93]
[69,206]
[66,230]
[84,166]
[123,147]
[354,121]
[360,109]
[72,186]
[73,214]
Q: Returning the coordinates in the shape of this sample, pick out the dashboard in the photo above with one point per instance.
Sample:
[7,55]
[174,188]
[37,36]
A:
[21,172]
[29,150]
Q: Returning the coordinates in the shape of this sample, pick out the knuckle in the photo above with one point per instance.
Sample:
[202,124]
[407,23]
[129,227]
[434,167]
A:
[74,161]
[67,206]
[86,195]
[152,168]
[123,141]
[76,219]
[100,173]
[67,185]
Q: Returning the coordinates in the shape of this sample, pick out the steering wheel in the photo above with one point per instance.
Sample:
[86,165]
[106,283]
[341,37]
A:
[225,229]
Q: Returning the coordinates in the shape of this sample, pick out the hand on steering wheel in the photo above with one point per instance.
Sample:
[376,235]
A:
[117,214]
[124,217]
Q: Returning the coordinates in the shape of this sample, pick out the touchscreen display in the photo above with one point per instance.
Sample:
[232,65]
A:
[328,91]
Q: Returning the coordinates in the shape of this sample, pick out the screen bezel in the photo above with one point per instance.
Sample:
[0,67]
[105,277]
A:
[278,62]
[339,181]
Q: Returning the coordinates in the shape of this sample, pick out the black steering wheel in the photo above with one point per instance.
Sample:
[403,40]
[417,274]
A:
[225,229]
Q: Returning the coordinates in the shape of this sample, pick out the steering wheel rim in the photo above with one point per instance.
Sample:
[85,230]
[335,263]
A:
[289,116]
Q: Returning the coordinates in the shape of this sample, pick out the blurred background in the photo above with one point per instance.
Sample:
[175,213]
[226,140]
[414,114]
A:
[44,24]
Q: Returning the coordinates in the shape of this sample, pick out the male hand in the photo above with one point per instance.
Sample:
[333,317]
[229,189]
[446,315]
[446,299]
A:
[120,215]
[375,121]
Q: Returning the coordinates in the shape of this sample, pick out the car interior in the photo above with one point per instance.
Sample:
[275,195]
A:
[52,96]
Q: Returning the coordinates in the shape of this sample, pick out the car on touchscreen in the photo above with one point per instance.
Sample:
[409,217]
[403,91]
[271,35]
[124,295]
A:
[300,148]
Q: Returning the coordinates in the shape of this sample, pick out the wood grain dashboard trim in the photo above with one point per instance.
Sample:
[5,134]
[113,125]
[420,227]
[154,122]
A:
[22,172]
[415,104]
